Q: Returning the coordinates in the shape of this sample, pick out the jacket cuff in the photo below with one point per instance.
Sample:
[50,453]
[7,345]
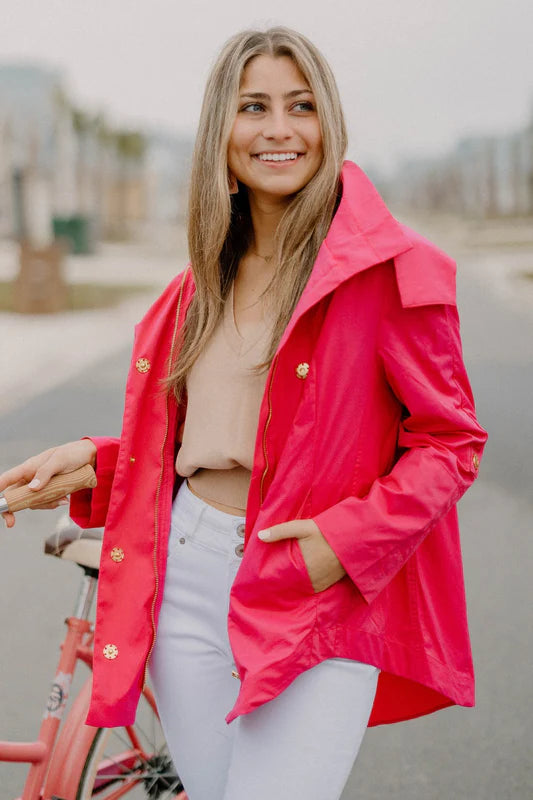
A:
[88,507]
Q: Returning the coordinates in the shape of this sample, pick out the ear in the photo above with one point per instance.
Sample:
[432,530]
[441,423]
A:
[233,186]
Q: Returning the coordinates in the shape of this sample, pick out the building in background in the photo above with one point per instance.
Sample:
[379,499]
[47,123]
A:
[483,177]
[168,166]
[64,171]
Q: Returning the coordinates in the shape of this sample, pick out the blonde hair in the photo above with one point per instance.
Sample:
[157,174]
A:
[219,224]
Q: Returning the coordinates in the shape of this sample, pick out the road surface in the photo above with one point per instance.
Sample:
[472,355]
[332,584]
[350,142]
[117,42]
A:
[466,754]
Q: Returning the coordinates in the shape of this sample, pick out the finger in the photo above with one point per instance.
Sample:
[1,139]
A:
[17,476]
[25,472]
[294,529]
[17,485]
[52,466]
[9,519]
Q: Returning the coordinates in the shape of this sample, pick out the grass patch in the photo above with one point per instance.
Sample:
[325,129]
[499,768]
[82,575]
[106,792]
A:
[83,296]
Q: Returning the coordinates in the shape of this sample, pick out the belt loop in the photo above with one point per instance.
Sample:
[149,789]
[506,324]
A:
[187,510]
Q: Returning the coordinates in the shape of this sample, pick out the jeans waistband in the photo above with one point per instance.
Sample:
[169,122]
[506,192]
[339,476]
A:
[191,514]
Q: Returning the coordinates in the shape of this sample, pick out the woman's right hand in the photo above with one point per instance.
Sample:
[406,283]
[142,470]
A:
[37,470]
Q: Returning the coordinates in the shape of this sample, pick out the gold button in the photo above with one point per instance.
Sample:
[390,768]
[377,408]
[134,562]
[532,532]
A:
[239,550]
[111,651]
[117,554]
[240,530]
[142,365]
[475,461]
[132,459]
[235,674]
[302,370]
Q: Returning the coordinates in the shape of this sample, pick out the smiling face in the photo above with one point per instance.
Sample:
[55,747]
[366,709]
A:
[275,146]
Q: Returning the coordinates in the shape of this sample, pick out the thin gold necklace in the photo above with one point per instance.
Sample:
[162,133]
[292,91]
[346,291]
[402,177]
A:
[266,258]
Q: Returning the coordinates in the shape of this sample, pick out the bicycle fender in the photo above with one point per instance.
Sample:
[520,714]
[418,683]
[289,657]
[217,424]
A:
[71,750]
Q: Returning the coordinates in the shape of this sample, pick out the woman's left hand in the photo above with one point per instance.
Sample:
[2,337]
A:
[322,564]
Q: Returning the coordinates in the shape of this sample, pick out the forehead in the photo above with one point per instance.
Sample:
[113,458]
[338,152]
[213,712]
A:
[264,69]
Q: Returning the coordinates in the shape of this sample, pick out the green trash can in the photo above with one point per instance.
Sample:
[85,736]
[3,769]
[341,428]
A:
[77,230]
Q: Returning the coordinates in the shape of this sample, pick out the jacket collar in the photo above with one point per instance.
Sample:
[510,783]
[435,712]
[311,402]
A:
[362,233]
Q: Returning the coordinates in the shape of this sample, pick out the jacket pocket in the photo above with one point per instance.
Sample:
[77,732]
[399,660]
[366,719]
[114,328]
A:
[299,559]
[274,573]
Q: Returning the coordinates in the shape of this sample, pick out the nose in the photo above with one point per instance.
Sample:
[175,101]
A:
[278,125]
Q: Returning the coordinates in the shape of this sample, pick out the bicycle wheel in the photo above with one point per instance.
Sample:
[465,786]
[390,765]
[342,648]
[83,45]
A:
[131,762]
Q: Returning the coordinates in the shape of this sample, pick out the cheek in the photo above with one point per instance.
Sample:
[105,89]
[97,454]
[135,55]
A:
[317,141]
[236,159]
[240,140]
[313,138]
[316,153]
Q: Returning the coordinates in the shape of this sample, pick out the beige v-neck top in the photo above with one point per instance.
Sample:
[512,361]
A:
[223,401]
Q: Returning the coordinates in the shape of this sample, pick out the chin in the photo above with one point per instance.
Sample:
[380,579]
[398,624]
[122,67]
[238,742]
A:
[280,188]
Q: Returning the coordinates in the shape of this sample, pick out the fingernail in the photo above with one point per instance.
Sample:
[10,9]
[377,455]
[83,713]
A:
[63,502]
[34,483]
[264,535]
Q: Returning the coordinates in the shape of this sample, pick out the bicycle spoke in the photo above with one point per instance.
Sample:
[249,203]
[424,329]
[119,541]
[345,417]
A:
[125,740]
[128,753]
[122,790]
[136,774]
[173,791]
[139,728]
[133,781]
[119,766]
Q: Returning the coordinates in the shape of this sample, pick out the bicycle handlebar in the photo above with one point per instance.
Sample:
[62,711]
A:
[20,497]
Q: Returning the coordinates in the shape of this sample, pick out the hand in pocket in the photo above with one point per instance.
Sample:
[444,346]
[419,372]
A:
[323,566]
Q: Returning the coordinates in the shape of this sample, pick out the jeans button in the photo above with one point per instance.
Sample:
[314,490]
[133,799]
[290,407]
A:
[239,550]
[240,530]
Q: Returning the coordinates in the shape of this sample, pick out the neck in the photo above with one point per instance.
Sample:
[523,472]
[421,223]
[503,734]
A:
[266,213]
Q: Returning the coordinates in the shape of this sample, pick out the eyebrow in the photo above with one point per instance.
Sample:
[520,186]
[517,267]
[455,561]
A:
[287,96]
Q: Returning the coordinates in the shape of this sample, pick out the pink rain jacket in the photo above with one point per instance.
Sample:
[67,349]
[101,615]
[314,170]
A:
[375,438]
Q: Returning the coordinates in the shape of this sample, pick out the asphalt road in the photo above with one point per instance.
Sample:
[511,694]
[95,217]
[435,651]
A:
[466,754]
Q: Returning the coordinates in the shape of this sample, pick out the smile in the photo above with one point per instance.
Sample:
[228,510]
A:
[278,159]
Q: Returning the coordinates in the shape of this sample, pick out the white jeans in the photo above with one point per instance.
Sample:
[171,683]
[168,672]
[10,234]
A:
[299,746]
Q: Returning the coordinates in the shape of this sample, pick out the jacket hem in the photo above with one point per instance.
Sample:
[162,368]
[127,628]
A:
[445,687]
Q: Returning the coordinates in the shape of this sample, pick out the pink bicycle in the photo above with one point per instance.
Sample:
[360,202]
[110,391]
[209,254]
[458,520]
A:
[71,760]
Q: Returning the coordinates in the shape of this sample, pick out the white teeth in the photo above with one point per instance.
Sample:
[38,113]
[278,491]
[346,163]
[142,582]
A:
[277,156]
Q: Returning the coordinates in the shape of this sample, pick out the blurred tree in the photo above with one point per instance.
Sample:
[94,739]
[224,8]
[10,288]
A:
[130,149]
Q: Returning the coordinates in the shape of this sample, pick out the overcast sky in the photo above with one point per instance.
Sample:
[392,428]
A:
[414,75]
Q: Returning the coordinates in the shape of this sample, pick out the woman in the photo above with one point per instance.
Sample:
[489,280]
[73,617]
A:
[298,428]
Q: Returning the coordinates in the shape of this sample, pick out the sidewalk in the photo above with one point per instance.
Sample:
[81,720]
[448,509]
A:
[41,351]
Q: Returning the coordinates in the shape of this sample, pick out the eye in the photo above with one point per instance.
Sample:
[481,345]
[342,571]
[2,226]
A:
[306,105]
[248,106]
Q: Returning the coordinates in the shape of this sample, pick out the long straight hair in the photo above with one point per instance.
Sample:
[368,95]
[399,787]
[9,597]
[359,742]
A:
[219,224]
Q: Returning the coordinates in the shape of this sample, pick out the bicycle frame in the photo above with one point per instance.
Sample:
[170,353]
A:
[77,646]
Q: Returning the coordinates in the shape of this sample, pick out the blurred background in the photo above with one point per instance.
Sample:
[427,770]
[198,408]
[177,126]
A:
[98,110]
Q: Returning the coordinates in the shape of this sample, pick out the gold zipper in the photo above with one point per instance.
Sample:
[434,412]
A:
[267,423]
[159,483]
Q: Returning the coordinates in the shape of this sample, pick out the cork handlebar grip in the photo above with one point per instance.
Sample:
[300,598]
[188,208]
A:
[20,497]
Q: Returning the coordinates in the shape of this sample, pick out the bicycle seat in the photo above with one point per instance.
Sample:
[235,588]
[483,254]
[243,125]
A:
[73,543]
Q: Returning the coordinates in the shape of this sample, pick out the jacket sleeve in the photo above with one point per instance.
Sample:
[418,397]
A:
[88,507]
[439,445]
